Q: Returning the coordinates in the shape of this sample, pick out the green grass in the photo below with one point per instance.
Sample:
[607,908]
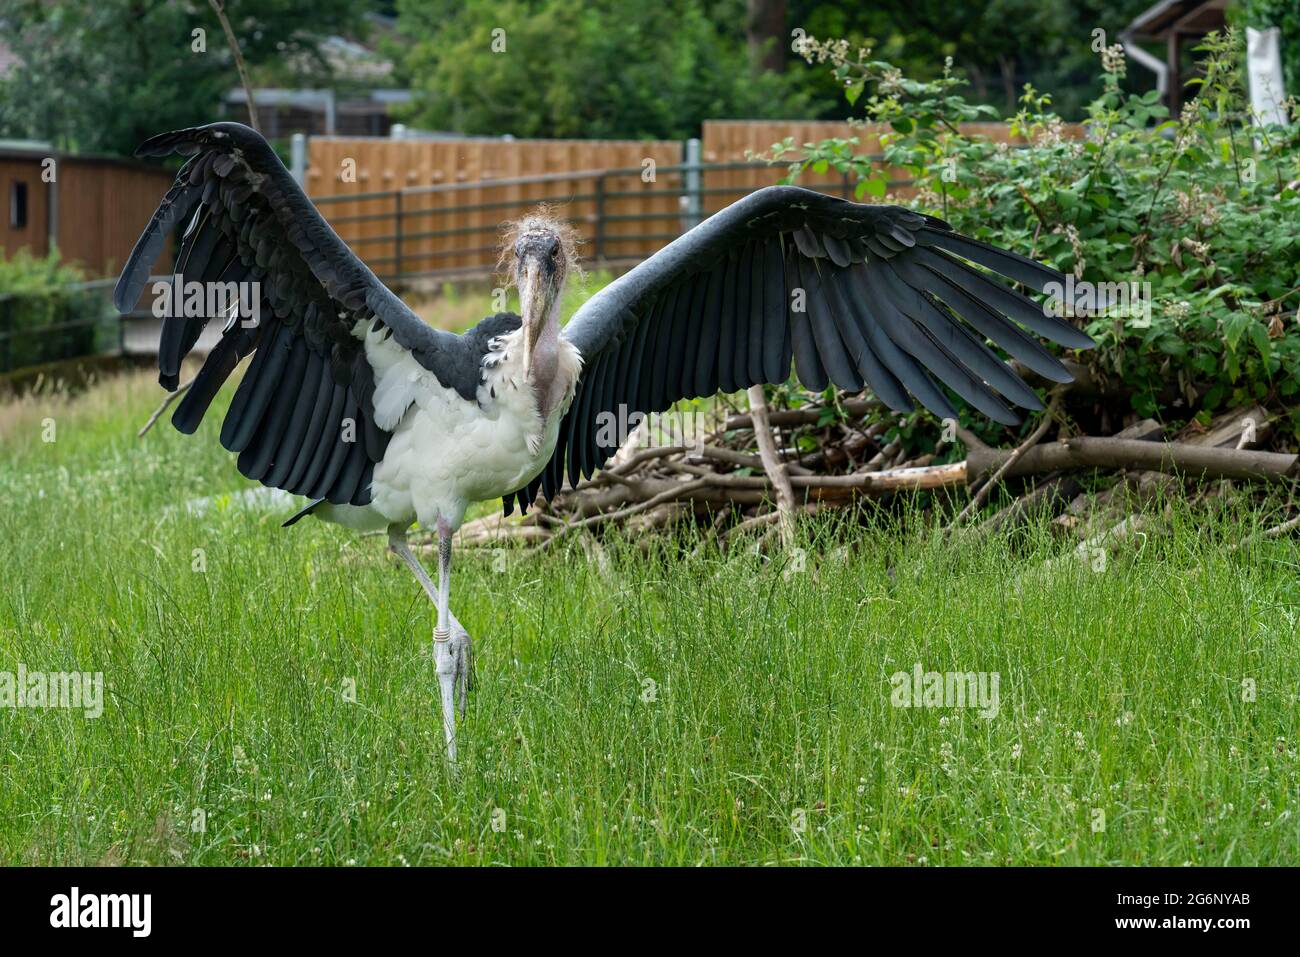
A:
[1120,690]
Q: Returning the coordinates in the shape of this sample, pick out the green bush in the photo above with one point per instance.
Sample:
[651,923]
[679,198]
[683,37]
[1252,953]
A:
[1203,207]
[42,317]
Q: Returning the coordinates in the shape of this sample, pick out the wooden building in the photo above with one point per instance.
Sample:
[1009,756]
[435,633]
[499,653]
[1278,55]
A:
[92,208]
[1177,25]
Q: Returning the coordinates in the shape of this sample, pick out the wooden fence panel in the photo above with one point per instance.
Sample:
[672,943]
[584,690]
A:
[467,220]
[729,141]
[456,227]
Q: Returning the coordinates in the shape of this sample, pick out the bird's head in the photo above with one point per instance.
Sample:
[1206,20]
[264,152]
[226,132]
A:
[540,254]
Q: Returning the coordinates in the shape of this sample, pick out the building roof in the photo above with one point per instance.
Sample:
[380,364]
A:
[1189,17]
[37,150]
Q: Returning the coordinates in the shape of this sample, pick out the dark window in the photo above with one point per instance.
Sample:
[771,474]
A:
[18,205]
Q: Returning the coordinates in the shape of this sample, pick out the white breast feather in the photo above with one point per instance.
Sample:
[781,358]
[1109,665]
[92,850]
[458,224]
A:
[445,451]
[399,378]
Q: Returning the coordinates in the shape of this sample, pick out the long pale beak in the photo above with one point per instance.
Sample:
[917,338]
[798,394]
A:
[536,300]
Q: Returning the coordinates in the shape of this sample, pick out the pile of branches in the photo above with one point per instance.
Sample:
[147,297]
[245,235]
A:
[753,471]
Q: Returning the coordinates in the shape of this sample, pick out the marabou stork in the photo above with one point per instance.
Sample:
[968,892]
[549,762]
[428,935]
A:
[383,421]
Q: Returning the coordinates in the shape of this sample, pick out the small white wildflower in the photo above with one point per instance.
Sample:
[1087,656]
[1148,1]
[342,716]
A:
[1112,60]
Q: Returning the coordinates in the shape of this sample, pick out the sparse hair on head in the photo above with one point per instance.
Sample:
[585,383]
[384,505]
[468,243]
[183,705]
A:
[543,218]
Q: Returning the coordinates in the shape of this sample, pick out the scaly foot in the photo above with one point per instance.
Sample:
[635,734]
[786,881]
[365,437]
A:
[453,656]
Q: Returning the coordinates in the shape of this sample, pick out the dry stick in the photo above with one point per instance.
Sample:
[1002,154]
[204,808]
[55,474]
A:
[892,480]
[1054,492]
[621,473]
[1277,531]
[772,464]
[678,491]
[219,8]
[157,413]
[716,488]
[745,460]
[646,455]
[541,518]
[1134,526]
[970,439]
[980,496]
[162,407]
[881,458]
[854,408]
[1179,458]
[755,489]
[220,11]
[759,521]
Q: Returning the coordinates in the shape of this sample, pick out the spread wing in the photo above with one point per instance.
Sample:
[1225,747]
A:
[305,417]
[869,296]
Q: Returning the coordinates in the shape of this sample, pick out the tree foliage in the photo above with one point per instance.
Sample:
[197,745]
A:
[998,45]
[577,68]
[103,76]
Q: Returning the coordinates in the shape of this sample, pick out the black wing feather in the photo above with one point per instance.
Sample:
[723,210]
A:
[890,299]
[806,362]
[739,357]
[731,320]
[830,348]
[247,221]
[776,333]
[706,355]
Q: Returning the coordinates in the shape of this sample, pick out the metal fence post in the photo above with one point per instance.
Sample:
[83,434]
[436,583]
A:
[600,217]
[692,200]
[298,157]
[397,233]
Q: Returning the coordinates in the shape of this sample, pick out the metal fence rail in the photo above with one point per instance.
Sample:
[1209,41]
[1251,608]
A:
[417,230]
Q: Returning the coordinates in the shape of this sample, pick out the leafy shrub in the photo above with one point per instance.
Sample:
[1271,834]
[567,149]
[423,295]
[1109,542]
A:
[1204,207]
[25,273]
[42,318]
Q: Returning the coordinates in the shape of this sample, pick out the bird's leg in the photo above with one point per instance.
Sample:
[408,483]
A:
[450,650]
[452,647]
[398,546]
[463,647]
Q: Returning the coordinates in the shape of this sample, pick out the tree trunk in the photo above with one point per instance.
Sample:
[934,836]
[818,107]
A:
[765,33]
[1007,66]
